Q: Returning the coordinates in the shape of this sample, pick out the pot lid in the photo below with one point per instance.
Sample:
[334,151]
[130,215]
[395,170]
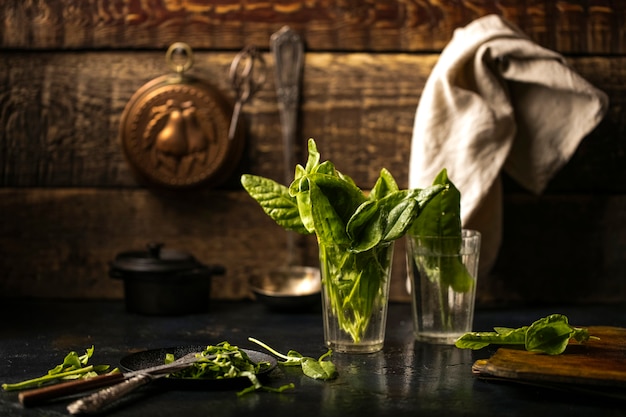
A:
[155,259]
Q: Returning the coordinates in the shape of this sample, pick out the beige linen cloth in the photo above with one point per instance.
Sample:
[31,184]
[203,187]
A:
[497,101]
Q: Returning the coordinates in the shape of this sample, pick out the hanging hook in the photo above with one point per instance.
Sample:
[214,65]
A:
[179,57]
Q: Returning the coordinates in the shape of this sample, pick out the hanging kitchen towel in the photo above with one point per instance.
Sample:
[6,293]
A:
[497,101]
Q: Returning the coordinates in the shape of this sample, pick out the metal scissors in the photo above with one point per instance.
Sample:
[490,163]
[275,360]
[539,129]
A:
[246,80]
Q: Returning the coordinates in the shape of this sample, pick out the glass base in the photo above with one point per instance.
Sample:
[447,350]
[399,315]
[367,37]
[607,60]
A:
[355,347]
[438,338]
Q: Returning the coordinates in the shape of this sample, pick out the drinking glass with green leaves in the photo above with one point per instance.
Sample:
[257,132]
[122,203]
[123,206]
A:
[442,263]
[355,231]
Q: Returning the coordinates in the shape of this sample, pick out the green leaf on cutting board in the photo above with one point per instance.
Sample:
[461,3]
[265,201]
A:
[549,335]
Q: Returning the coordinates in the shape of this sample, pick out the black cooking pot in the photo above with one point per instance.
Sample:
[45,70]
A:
[163,281]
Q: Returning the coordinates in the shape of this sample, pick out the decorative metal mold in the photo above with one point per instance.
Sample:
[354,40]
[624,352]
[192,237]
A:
[175,129]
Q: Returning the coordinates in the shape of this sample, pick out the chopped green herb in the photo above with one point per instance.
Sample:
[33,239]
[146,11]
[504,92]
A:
[73,367]
[228,362]
[549,335]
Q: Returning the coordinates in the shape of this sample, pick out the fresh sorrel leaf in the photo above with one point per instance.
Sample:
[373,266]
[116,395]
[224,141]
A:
[329,226]
[442,215]
[400,217]
[384,186]
[361,219]
[442,219]
[343,196]
[275,201]
[314,156]
[365,227]
[475,340]
[316,369]
[549,335]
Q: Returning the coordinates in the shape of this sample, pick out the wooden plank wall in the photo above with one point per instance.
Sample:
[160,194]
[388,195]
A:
[69,202]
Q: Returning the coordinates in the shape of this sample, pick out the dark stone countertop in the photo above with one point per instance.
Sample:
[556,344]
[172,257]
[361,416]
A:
[406,378]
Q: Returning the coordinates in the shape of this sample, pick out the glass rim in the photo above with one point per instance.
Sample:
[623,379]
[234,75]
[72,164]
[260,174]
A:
[465,233]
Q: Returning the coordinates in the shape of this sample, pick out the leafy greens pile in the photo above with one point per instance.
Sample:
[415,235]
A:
[349,224]
[73,367]
[226,361]
[549,335]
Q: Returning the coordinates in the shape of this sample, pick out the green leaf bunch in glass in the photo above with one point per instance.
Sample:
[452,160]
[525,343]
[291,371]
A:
[442,218]
[353,228]
[436,241]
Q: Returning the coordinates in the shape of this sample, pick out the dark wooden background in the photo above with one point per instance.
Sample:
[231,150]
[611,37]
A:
[69,202]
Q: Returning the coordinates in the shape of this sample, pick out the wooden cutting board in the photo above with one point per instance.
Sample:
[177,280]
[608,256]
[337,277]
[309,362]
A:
[596,363]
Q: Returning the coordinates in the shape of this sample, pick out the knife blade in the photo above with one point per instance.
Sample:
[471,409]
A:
[38,396]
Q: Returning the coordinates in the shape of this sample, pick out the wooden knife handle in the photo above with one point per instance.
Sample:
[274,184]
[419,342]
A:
[38,396]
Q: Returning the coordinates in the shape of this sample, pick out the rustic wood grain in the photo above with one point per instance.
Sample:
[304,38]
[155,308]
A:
[357,105]
[576,26]
[598,363]
[58,242]
[69,202]
[60,115]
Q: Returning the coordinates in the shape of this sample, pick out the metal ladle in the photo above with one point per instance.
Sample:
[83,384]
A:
[287,49]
